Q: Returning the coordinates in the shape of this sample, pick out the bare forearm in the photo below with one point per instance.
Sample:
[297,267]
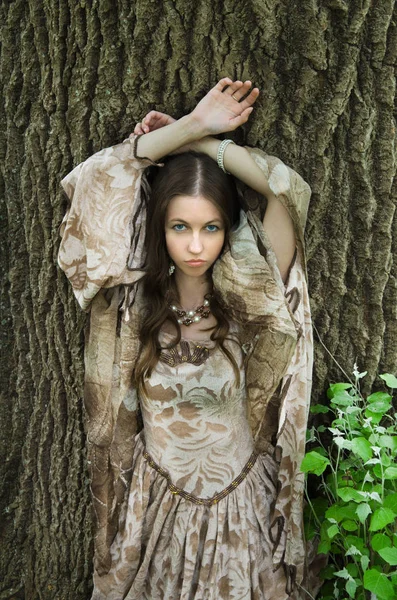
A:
[277,221]
[238,162]
[160,142]
[221,110]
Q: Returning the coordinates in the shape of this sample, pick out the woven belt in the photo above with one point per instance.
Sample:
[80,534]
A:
[205,501]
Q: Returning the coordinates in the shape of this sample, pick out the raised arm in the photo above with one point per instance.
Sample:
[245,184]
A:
[277,222]
[217,112]
[222,110]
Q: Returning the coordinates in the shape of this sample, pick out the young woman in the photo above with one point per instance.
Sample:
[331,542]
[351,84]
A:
[198,357]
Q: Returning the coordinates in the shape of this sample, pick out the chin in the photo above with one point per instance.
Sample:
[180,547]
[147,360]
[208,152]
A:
[195,271]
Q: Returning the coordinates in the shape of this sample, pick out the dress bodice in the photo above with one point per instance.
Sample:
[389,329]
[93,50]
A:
[195,415]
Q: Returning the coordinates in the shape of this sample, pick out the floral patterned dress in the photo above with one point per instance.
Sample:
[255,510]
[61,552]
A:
[102,254]
[195,524]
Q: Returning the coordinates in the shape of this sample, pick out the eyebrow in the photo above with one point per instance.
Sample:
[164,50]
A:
[186,223]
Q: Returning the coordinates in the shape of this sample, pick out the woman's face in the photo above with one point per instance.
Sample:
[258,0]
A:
[194,233]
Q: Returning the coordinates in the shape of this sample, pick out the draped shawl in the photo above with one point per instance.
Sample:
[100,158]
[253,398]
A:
[101,253]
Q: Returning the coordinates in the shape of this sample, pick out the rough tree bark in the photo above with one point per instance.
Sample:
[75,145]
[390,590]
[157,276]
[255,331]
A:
[76,76]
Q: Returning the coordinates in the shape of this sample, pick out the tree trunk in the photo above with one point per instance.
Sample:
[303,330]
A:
[76,76]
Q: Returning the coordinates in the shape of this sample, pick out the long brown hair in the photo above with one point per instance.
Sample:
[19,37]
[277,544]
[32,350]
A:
[187,174]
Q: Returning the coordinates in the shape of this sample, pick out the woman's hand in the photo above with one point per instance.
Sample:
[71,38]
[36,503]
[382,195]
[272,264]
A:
[153,120]
[156,120]
[221,110]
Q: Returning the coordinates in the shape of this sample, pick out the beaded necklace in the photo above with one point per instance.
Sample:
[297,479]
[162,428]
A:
[187,317]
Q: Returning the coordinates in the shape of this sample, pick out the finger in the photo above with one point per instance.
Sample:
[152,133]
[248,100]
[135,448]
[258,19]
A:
[157,121]
[222,84]
[241,119]
[137,130]
[156,117]
[149,120]
[233,88]
[250,99]
[145,124]
[242,90]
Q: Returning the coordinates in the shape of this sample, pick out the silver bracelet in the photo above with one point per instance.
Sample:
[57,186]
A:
[221,151]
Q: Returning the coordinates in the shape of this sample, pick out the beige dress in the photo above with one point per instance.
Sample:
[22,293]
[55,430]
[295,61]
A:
[102,254]
[195,525]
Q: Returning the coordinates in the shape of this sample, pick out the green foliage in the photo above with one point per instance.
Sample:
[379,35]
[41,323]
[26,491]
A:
[355,517]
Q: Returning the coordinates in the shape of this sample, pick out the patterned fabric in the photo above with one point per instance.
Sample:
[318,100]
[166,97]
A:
[201,536]
[174,489]
[101,249]
[195,421]
[168,548]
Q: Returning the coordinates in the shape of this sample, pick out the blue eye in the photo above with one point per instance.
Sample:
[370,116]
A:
[212,228]
[179,227]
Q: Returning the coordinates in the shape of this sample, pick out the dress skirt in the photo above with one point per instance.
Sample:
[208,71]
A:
[171,547]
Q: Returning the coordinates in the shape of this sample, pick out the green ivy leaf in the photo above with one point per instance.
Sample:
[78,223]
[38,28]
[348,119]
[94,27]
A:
[375,495]
[320,450]
[353,410]
[390,473]
[324,547]
[381,517]
[390,380]
[362,448]
[344,574]
[338,513]
[368,478]
[342,443]
[334,513]
[378,584]
[353,551]
[313,462]
[342,399]
[334,388]
[332,531]
[388,441]
[389,555]
[391,502]
[377,470]
[364,562]
[378,396]
[375,417]
[380,406]
[362,511]
[351,587]
[347,464]
[380,541]
[352,569]
[337,432]
[348,493]
[349,525]
[353,540]
[386,460]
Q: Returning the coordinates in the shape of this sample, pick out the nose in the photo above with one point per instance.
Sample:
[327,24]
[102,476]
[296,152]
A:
[195,244]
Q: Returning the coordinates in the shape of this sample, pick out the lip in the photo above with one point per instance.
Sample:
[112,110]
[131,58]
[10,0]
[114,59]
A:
[195,263]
